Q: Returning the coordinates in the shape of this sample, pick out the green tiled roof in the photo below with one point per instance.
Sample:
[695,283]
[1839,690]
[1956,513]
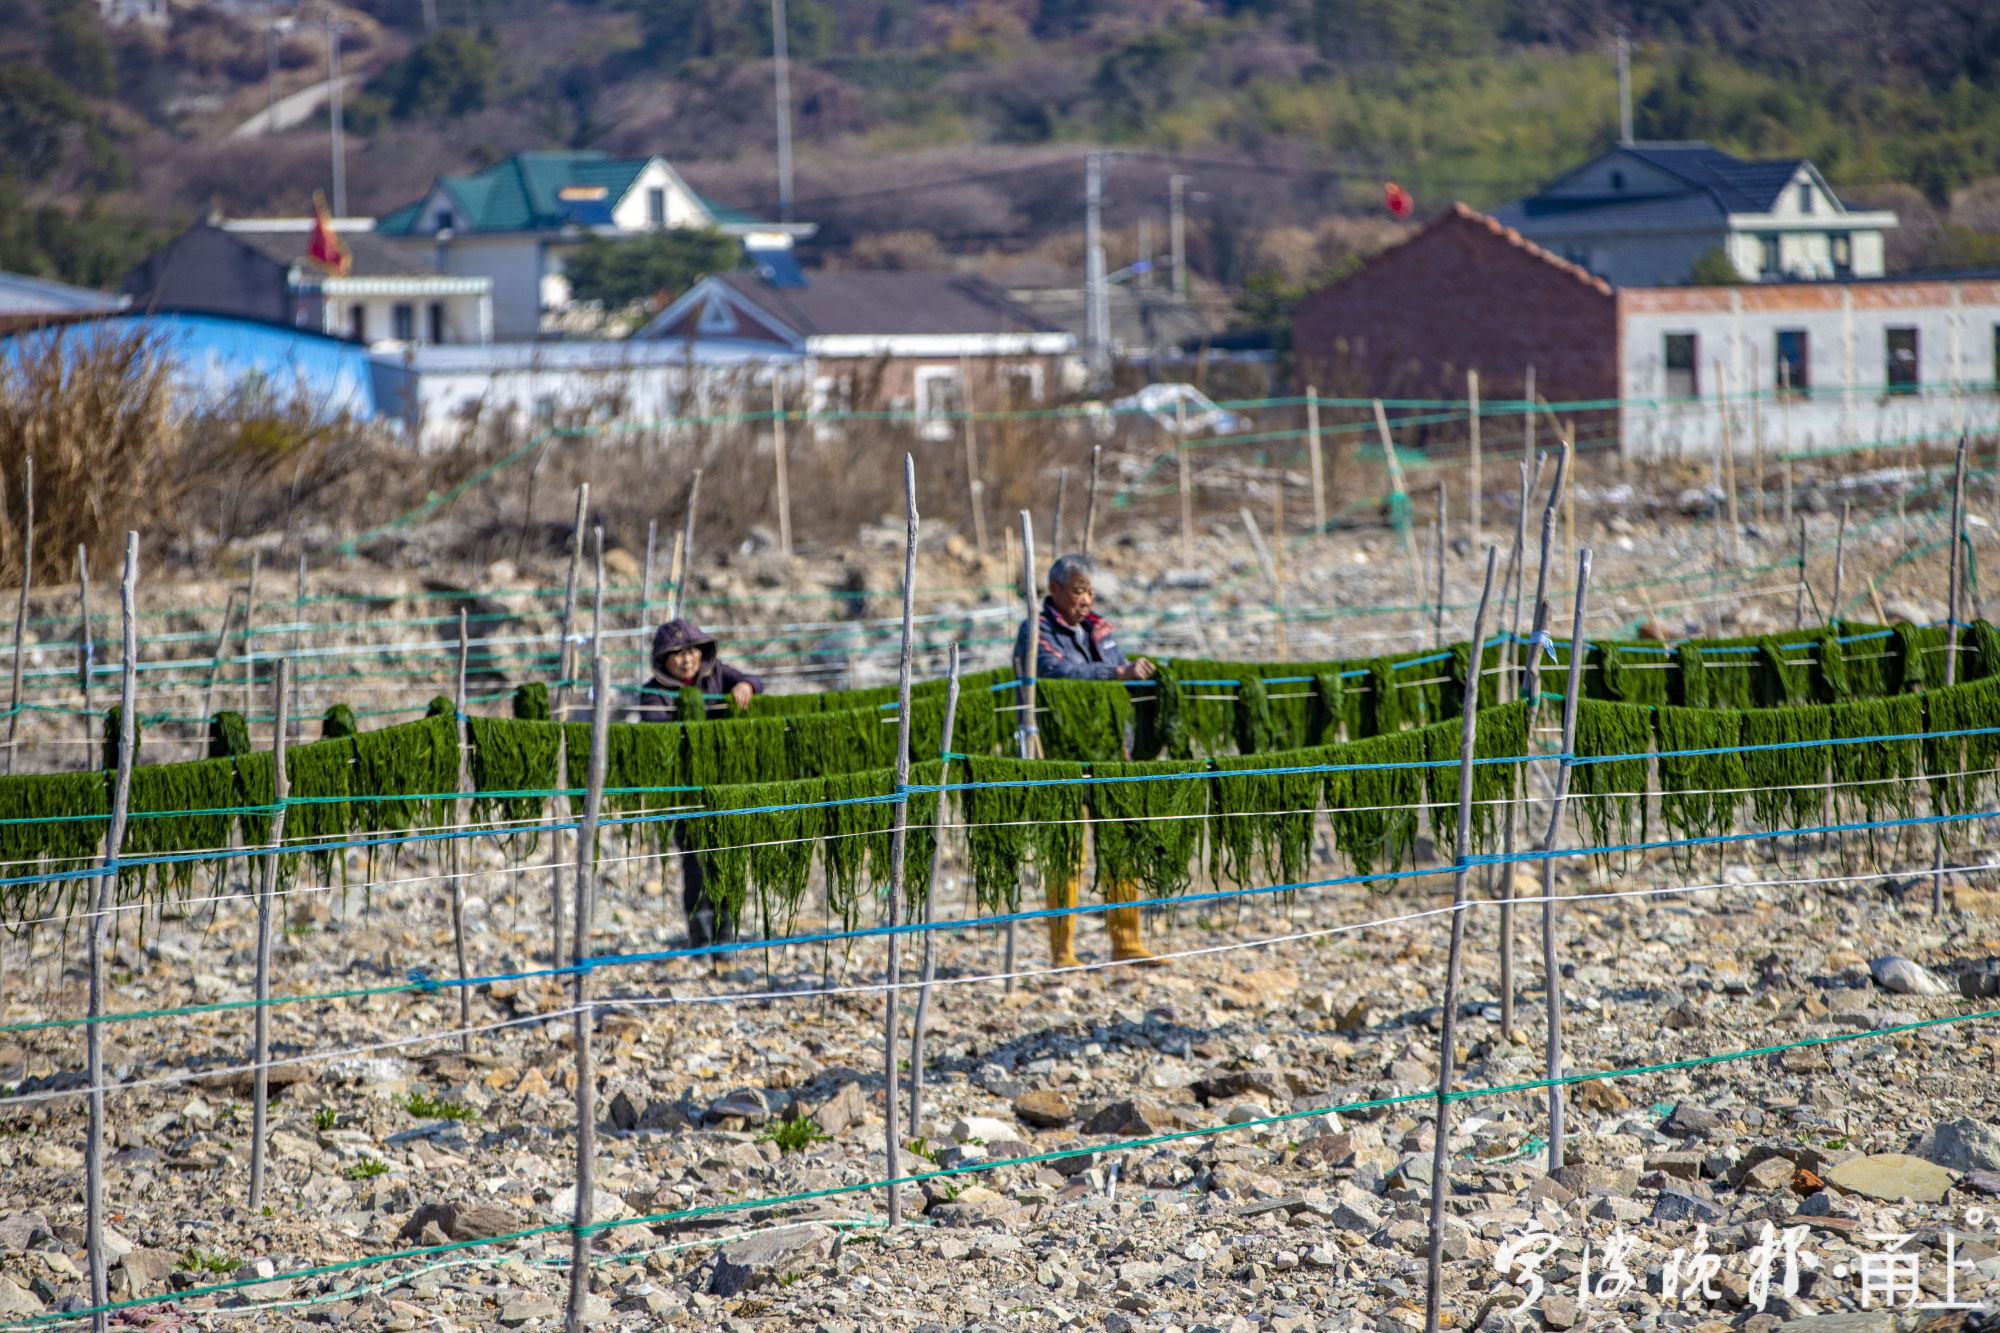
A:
[521,193]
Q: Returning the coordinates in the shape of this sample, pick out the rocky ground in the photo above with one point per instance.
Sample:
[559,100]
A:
[387,1138]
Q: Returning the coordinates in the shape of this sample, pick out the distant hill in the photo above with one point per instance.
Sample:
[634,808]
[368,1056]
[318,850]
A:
[967,120]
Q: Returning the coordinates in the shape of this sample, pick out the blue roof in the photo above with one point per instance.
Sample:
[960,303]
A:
[1712,185]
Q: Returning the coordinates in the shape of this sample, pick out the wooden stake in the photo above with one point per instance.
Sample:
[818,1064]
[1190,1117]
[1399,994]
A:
[564,670]
[930,892]
[784,479]
[1756,440]
[458,813]
[1951,621]
[1528,415]
[1440,1153]
[597,593]
[975,489]
[685,547]
[299,615]
[899,843]
[558,816]
[646,574]
[86,654]
[1028,733]
[1839,561]
[1728,457]
[1318,463]
[1551,974]
[1785,415]
[1186,482]
[1799,605]
[21,607]
[1399,507]
[1474,483]
[1510,684]
[215,664]
[1090,501]
[104,897]
[267,887]
[1062,498]
[586,1077]
[1437,603]
[1270,572]
[249,644]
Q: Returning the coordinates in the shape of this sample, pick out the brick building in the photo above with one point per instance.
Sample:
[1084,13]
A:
[1810,365]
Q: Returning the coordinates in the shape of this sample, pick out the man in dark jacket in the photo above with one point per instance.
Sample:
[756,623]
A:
[1073,642]
[684,659]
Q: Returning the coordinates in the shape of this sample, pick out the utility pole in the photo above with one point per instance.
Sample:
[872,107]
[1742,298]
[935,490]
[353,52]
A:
[1177,232]
[271,74]
[1097,331]
[781,62]
[1145,277]
[1624,87]
[333,117]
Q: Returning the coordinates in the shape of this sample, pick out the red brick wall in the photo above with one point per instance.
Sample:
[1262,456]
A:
[1462,294]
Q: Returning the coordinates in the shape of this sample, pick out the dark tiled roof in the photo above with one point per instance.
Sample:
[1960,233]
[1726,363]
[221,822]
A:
[373,256]
[1739,186]
[890,302]
[1553,218]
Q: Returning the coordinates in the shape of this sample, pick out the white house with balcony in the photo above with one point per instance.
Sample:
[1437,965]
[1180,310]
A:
[517,221]
[1641,214]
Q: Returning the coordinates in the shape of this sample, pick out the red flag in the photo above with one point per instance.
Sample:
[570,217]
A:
[1397,200]
[326,248]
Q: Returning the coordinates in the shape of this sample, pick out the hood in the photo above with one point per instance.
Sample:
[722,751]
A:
[676,635]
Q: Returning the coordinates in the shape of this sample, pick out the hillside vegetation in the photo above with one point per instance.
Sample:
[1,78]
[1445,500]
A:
[966,120]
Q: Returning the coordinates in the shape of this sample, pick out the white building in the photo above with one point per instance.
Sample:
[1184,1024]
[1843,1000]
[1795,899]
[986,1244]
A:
[1641,214]
[516,222]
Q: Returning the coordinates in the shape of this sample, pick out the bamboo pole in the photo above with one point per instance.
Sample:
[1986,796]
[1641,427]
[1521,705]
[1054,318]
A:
[1839,559]
[1474,483]
[586,1077]
[646,573]
[1270,572]
[1785,416]
[1799,605]
[249,645]
[1727,459]
[975,487]
[560,709]
[104,896]
[930,894]
[86,653]
[685,547]
[1318,462]
[1756,440]
[1186,483]
[1029,733]
[784,478]
[1537,649]
[1510,686]
[260,1103]
[221,648]
[1528,414]
[1551,974]
[1440,1153]
[1090,501]
[597,592]
[1951,621]
[458,813]
[21,607]
[1062,498]
[558,816]
[899,845]
[1437,602]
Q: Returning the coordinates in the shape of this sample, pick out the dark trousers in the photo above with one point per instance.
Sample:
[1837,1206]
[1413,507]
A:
[708,922]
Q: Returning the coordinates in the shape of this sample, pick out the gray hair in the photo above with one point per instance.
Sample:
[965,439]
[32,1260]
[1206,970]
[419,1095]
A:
[1067,567]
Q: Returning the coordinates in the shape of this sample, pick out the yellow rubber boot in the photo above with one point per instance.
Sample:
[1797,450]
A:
[1123,923]
[1062,929]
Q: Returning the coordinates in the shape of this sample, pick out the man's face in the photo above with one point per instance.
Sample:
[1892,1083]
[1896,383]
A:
[682,663]
[1072,600]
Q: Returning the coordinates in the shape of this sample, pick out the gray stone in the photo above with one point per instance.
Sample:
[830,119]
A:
[1891,1176]
[1044,1108]
[1966,1145]
[1688,1120]
[520,1310]
[16,1300]
[1854,1321]
[1981,1182]
[1900,975]
[1357,1210]
[843,1109]
[1674,1206]
[758,1261]
[623,1112]
[467,1221]
[22,1230]
[750,1105]
[1559,1312]
[1611,1208]
[147,1268]
[1584,1178]
[1137,1116]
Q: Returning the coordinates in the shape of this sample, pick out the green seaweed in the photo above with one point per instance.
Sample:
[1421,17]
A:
[1639,673]
[1375,797]
[1146,822]
[401,774]
[513,766]
[1787,786]
[177,809]
[531,701]
[1960,767]
[1083,720]
[1874,776]
[1784,675]
[1266,818]
[1699,792]
[1611,796]
[1500,733]
[338,722]
[228,735]
[1008,817]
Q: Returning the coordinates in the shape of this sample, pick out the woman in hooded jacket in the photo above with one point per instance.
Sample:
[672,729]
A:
[684,659]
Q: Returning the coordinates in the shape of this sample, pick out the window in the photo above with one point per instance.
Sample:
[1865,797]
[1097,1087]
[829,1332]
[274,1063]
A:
[1023,384]
[444,219]
[1805,199]
[1841,245]
[1791,360]
[937,401]
[656,206]
[1769,267]
[357,322]
[1617,180]
[437,321]
[404,319]
[1901,371]
[1682,380]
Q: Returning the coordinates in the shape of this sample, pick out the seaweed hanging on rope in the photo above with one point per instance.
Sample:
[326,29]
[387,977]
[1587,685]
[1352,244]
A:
[1869,660]
[1784,671]
[317,810]
[1374,799]
[228,735]
[1384,711]
[721,842]
[338,722]
[514,768]
[1500,733]
[1082,720]
[1147,830]
[1610,797]
[1920,655]
[1960,767]
[1718,679]
[857,832]
[402,774]
[1787,786]
[1984,658]
[113,719]
[1875,776]
[1264,819]
[1638,673]
[1007,817]
[1830,681]
[1194,719]
[51,822]
[177,809]
[1255,731]
[1699,792]
[531,701]
[745,751]
[1451,694]
[644,763]
[921,837]
[849,740]
[1329,716]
